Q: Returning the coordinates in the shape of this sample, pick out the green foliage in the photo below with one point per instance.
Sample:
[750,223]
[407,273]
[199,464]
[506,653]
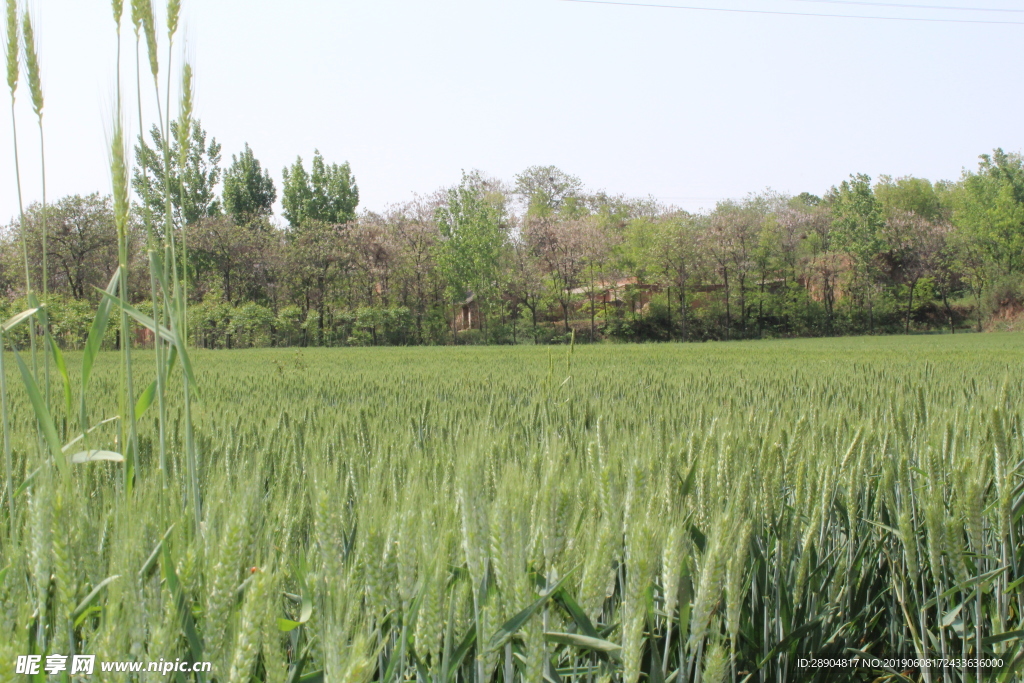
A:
[328,194]
[210,322]
[857,218]
[808,199]
[194,175]
[375,326]
[641,249]
[70,320]
[548,191]
[677,514]
[249,191]
[908,195]
[82,243]
[289,325]
[473,225]
[990,207]
[252,325]
[765,266]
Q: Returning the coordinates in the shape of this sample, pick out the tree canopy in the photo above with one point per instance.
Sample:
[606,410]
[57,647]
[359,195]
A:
[542,256]
[249,191]
[193,178]
[327,193]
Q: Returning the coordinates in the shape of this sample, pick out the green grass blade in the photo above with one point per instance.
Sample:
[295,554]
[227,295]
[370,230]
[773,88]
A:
[42,414]
[97,330]
[461,651]
[145,400]
[186,364]
[141,317]
[966,584]
[583,622]
[585,642]
[69,444]
[92,596]
[510,627]
[154,556]
[28,480]
[186,620]
[295,672]
[1003,637]
[95,456]
[14,320]
[62,368]
[165,334]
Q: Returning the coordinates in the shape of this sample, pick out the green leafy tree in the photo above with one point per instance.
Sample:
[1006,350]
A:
[564,248]
[547,191]
[315,259]
[967,262]
[857,217]
[735,228]
[473,223]
[807,199]
[679,256]
[913,235]
[857,221]
[526,285]
[990,207]
[82,243]
[296,194]
[639,250]
[192,183]
[235,252]
[328,193]
[249,191]
[908,195]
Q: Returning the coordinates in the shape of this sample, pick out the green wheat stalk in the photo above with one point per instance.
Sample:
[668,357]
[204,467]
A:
[180,298]
[11,42]
[35,86]
[184,129]
[123,222]
[8,460]
[142,19]
[122,207]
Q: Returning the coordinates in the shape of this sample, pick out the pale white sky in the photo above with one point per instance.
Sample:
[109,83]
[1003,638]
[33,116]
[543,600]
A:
[687,106]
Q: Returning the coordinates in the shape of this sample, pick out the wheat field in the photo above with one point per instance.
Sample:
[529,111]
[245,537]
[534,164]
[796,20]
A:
[609,513]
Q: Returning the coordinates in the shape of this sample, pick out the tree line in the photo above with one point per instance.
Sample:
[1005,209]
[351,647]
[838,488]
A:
[537,259]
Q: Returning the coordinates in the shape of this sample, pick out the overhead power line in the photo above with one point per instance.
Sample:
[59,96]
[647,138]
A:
[795,14]
[905,6]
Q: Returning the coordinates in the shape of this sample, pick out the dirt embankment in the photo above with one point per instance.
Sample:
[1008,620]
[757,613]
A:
[1009,318]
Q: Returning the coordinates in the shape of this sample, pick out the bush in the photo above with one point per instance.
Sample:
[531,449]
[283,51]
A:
[252,325]
[470,338]
[70,322]
[288,326]
[655,324]
[399,326]
[1005,296]
[209,322]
